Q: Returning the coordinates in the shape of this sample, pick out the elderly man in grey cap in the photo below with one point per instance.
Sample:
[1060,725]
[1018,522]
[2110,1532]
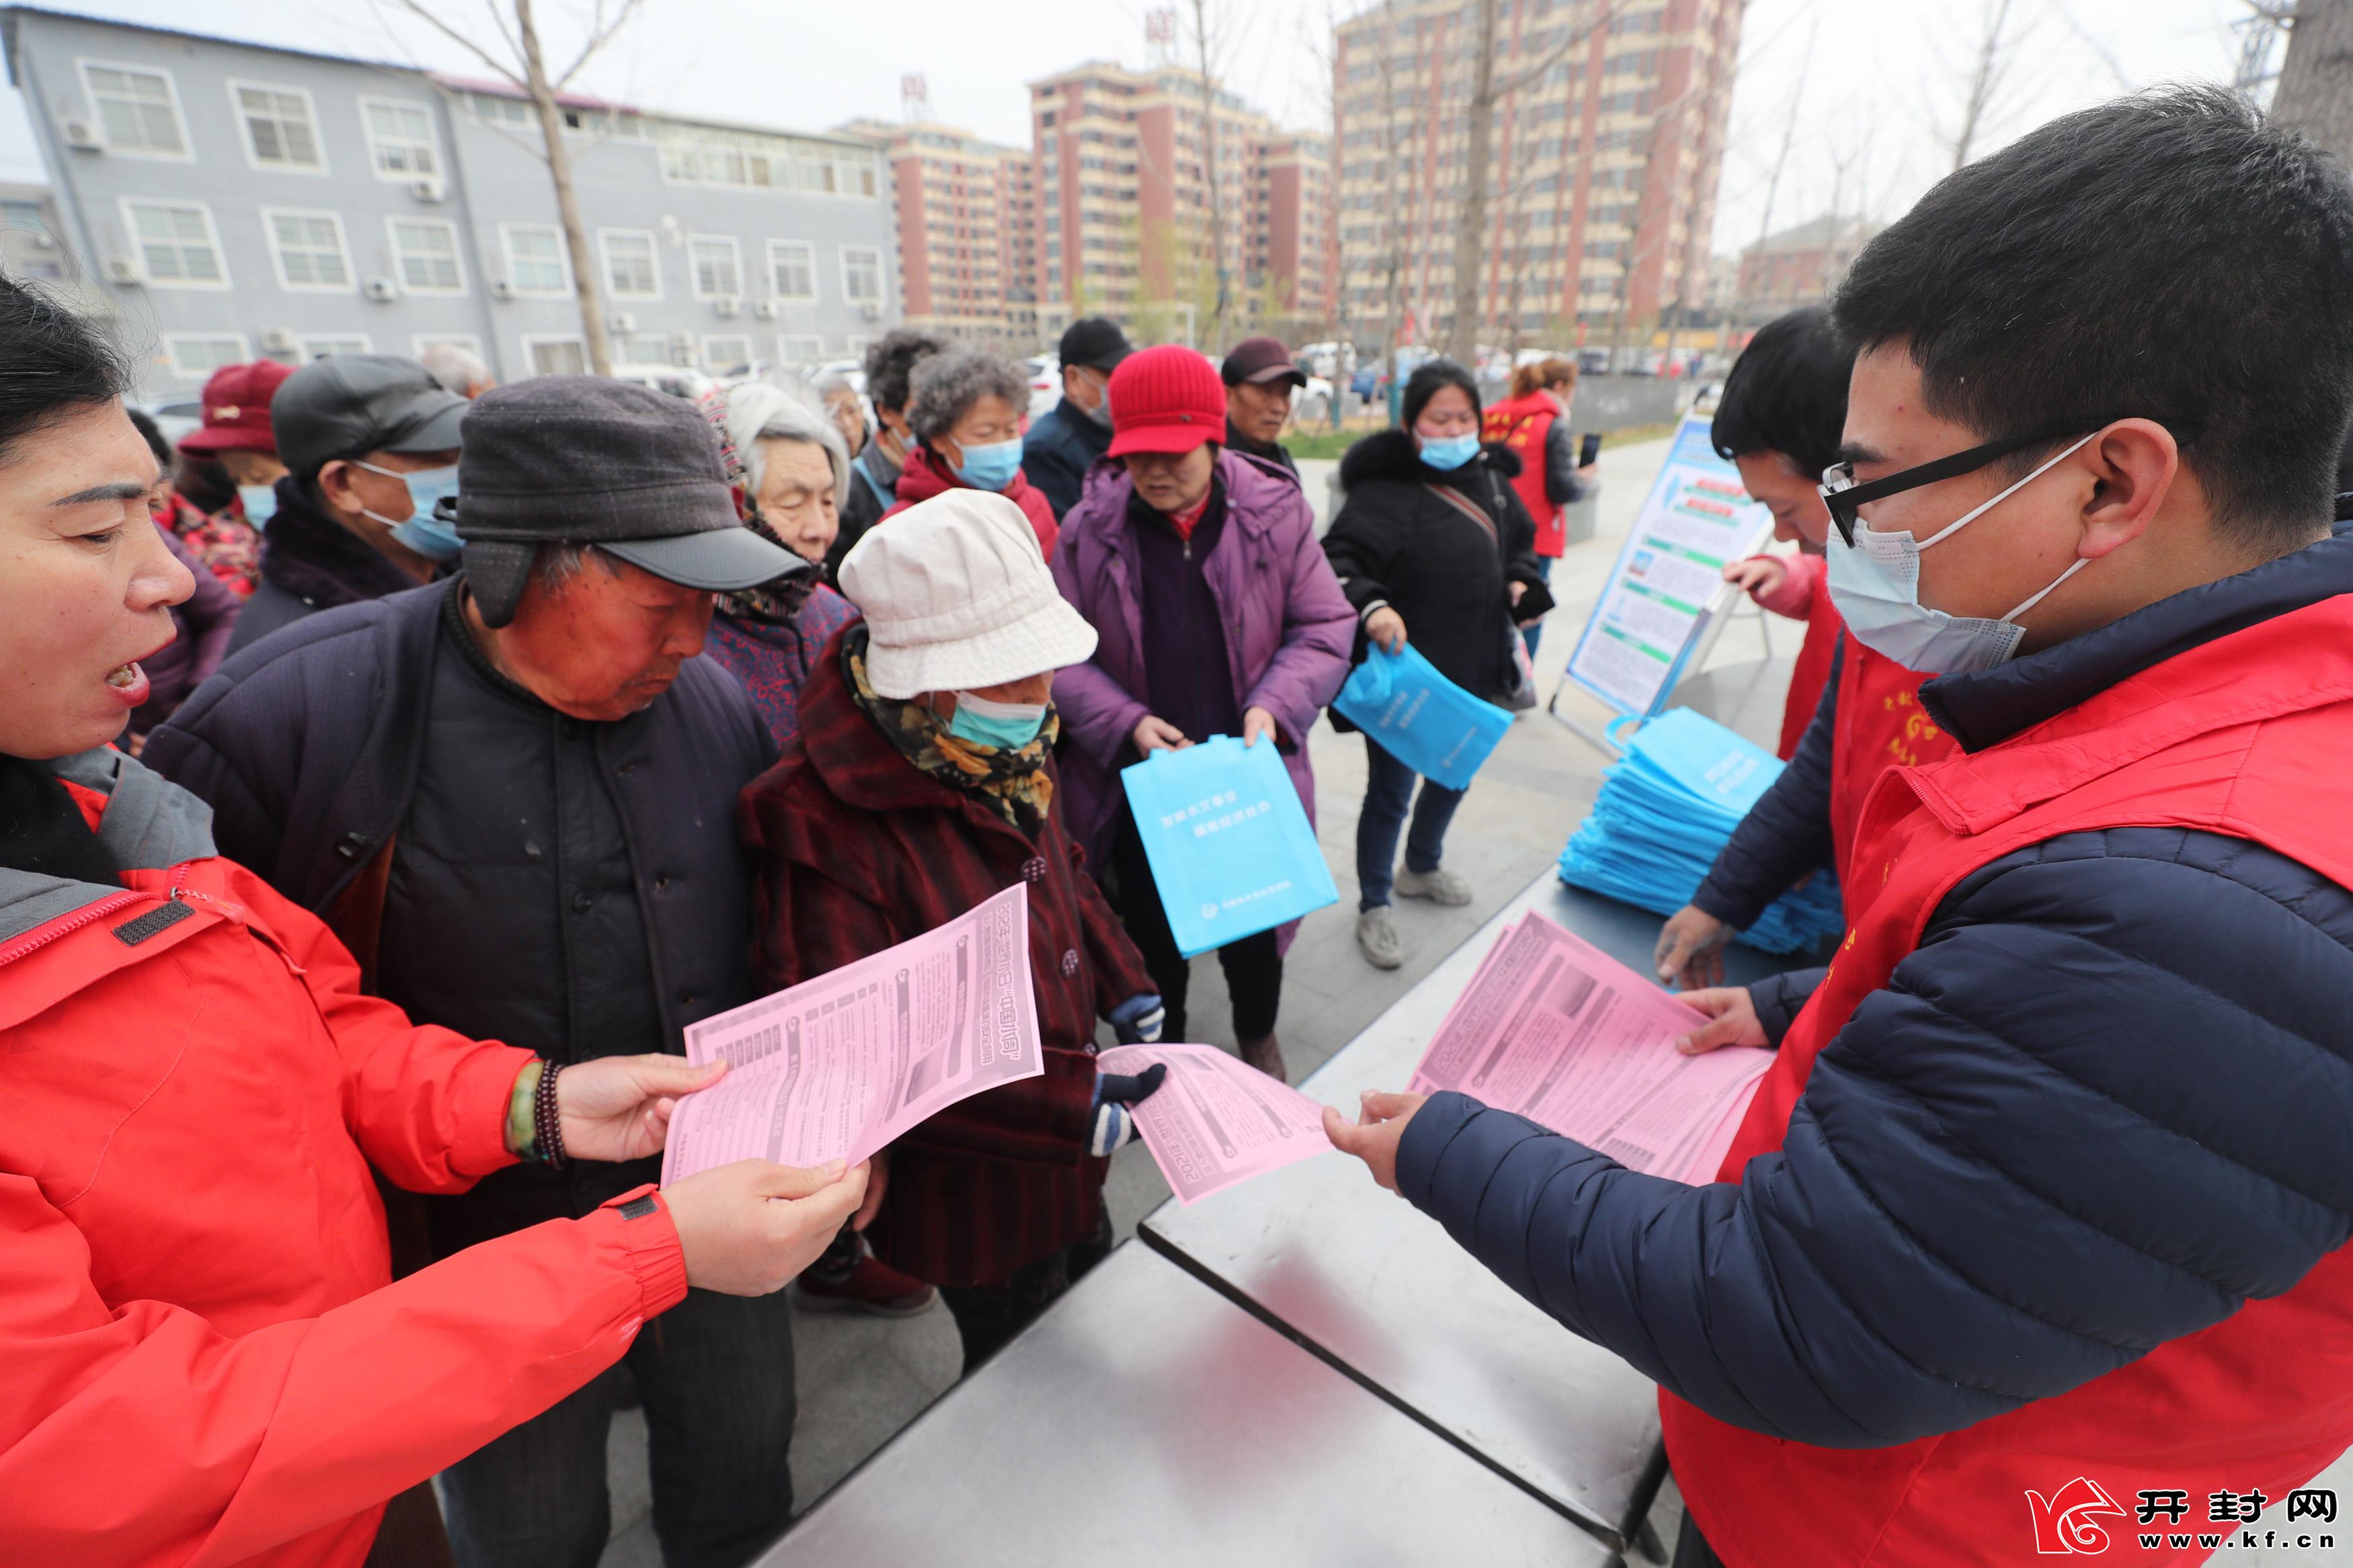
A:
[513,792]
[370,444]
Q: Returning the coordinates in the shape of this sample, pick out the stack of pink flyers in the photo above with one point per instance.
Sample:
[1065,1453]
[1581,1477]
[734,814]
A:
[1216,1121]
[837,1066]
[1556,1030]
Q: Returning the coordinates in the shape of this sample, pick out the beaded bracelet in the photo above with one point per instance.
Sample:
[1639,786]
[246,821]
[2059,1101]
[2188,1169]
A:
[546,1128]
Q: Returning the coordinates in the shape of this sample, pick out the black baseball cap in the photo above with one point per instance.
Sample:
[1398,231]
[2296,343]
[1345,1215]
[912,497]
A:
[1096,342]
[1261,361]
[345,405]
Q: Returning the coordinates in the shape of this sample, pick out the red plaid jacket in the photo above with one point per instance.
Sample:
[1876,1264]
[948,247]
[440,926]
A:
[857,850]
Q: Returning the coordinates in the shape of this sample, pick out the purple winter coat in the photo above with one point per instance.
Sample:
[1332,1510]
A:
[1288,632]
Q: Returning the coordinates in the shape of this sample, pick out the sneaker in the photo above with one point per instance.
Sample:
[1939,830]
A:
[1266,1055]
[873,1288]
[1439,887]
[1376,934]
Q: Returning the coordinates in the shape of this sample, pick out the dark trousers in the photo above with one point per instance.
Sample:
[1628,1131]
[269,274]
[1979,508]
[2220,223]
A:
[988,1316]
[1692,1550]
[1253,965]
[1388,795]
[716,1373]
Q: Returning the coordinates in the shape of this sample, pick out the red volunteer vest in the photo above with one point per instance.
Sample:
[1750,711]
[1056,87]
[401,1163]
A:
[1811,672]
[1522,423]
[2251,736]
[1880,726]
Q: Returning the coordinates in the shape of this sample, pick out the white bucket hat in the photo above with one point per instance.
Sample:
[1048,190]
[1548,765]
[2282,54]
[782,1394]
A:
[957,596]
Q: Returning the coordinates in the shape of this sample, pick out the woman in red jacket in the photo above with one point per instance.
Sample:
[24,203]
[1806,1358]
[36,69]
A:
[967,409]
[203,1358]
[920,786]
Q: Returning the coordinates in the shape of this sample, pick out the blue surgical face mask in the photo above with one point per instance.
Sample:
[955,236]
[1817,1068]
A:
[260,503]
[421,531]
[1875,584]
[1452,452]
[1009,726]
[989,467]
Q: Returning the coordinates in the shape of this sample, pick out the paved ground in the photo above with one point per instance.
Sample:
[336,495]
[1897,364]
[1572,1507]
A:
[860,1380]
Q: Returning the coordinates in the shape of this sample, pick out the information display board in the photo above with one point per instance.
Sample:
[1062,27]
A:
[1667,588]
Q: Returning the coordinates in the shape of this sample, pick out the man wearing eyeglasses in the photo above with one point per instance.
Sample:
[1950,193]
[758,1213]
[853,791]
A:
[2037,1225]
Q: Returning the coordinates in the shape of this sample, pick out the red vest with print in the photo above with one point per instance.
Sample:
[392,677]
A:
[2251,736]
[1522,423]
[1881,725]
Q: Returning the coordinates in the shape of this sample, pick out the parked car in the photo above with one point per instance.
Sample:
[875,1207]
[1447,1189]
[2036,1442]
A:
[1045,382]
[690,384]
[176,416]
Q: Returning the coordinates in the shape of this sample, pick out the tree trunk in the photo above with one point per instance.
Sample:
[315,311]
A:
[1209,156]
[2314,96]
[567,206]
[1470,223]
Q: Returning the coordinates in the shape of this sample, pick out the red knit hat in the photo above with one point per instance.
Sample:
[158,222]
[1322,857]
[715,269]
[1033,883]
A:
[1167,399]
[237,409]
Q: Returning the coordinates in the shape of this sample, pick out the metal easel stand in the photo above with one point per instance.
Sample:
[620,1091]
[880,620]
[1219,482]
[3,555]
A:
[1713,619]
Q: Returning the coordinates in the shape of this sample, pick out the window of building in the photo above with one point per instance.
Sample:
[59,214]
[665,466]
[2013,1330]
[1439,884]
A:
[631,269]
[425,250]
[551,355]
[281,132]
[718,266]
[400,139]
[641,348]
[308,249]
[319,345]
[195,355]
[178,247]
[466,341]
[493,110]
[535,259]
[861,274]
[792,272]
[137,110]
[800,351]
[726,352]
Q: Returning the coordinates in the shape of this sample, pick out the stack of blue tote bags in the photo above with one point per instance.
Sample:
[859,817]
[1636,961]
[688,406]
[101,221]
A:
[1667,807]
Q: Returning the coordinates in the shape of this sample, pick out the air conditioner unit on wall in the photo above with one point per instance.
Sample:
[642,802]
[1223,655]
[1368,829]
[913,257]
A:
[873,311]
[122,270]
[277,339]
[765,310]
[502,290]
[83,133]
[429,190]
[621,322]
[727,304]
[383,290]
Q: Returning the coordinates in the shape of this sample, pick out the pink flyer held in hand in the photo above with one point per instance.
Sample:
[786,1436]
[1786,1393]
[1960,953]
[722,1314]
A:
[838,1066]
[1216,1122]
[1556,1030]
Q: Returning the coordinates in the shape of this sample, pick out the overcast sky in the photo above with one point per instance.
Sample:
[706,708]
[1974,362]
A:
[1878,82]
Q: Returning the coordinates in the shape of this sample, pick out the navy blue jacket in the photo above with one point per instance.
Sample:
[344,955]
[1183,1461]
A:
[1061,446]
[2103,1104]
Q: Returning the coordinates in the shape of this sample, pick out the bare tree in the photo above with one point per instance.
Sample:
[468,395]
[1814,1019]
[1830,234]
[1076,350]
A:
[1209,169]
[519,60]
[1994,57]
[2314,96]
[1488,89]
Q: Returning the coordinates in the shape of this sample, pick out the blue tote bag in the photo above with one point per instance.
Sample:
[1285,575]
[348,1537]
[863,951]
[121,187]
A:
[1419,717]
[1228,839]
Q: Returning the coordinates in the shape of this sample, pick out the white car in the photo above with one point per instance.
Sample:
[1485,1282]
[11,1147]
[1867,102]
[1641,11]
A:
[1045,373]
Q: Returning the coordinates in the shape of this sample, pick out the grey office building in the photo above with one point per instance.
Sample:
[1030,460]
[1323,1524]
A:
[235,201]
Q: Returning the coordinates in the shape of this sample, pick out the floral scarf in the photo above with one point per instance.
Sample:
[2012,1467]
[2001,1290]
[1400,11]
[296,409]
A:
[1015,784]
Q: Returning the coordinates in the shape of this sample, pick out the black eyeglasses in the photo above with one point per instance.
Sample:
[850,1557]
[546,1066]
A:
[1847,499]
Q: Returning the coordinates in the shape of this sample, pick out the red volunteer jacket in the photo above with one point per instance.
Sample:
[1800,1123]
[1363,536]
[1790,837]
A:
[204,1359]
[1522,423]
[2251,736]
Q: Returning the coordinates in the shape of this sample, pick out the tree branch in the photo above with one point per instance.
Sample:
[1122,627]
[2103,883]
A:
[415,8]
[600,33]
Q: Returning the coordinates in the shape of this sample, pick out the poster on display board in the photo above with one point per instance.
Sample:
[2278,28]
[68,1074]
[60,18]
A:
[1666,592]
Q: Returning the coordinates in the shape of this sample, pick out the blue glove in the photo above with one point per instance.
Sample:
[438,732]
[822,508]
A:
[1137,1020]
[1111,1121]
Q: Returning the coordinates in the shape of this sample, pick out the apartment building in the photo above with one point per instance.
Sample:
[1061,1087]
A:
[235,201]
[967,219]
[1798,265]
[1126,161]
[1603,163]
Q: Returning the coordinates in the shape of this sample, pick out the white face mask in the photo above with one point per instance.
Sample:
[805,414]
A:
[1875,583]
